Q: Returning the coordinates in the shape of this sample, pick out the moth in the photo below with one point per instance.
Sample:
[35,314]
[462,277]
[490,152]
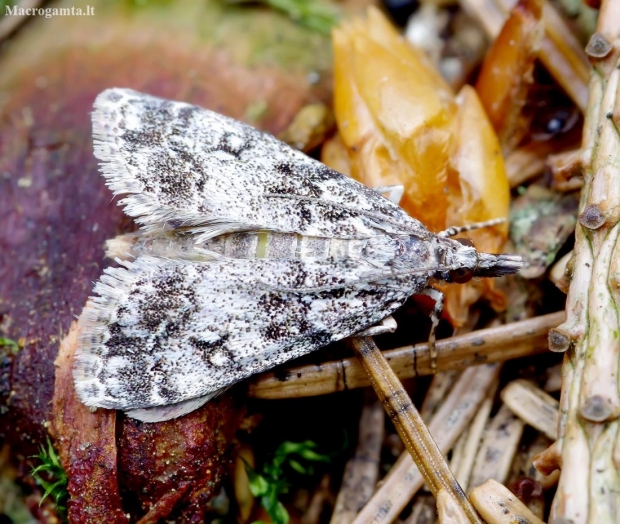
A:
[249,254]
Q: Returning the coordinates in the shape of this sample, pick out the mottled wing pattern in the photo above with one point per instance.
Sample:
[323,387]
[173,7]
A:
[163,332]
[183,166]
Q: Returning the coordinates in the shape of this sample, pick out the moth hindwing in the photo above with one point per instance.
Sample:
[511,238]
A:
[249,254]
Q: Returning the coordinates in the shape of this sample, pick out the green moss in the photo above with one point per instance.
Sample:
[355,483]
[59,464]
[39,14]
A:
[51,476]
[271,482]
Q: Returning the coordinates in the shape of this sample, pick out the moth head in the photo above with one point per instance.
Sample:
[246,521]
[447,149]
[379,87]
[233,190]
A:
[459,261]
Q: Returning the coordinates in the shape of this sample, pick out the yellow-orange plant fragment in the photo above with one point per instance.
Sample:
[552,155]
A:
[399,123]
[506,73]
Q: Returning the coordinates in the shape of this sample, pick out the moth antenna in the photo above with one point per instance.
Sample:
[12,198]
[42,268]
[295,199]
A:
[455,230]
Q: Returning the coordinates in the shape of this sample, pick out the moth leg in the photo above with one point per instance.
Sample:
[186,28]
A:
[387,325]
[438,297]
[394,192]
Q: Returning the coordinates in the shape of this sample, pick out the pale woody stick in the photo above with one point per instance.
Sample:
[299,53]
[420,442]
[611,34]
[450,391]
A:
[413,432]
[362,470]
[500,343]
[533,406]
[498,505]
[590,406]
[464,456]
[498,448]
[404,479]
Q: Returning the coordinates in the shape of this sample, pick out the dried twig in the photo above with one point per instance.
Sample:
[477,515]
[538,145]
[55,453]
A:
[440,386]
[424,511]
[448,511]
[463,459]
[498,505]
[498,448]
[518,339]
[404,479]
[362,470]
[533,406]
[590,404]
[413,432]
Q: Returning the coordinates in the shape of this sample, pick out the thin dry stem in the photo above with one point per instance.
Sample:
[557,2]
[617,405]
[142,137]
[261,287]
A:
[498,505]
[449,512]
[404,479]
[424,511]
[498,448]
[412,430]
[590,404]
[527,337]
[466,455]
[437,391]
[320,497]
[533,406]
[362,470]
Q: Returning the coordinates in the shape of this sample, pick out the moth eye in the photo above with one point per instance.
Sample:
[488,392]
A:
[465,241]
[461,275]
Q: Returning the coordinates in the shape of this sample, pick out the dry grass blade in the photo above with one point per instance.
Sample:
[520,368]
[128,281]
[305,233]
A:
[498,448]
[448,511]
[464,456]
[412,430]
[527,337]
[498,505]
[533,406]
[362,470]
[404,479]
[424,511]
[440,386]
[590,405]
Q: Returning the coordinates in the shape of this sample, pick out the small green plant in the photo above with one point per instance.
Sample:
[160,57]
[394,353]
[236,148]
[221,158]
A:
[316,15]
[51,476]
[271,482]
[9,343]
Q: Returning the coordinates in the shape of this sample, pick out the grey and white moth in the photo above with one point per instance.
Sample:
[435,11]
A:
[250,254]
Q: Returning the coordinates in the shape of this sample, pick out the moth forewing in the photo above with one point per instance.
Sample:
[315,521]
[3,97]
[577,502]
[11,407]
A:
[250,254]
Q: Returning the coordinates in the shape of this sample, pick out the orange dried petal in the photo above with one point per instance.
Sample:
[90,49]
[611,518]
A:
[506,73]
[399,123]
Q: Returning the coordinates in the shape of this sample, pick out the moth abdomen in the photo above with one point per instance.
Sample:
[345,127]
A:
[243,245]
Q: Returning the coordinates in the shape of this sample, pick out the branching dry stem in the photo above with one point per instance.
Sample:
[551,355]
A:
[589,424]
[456,412]
[497,344]
[413,432]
